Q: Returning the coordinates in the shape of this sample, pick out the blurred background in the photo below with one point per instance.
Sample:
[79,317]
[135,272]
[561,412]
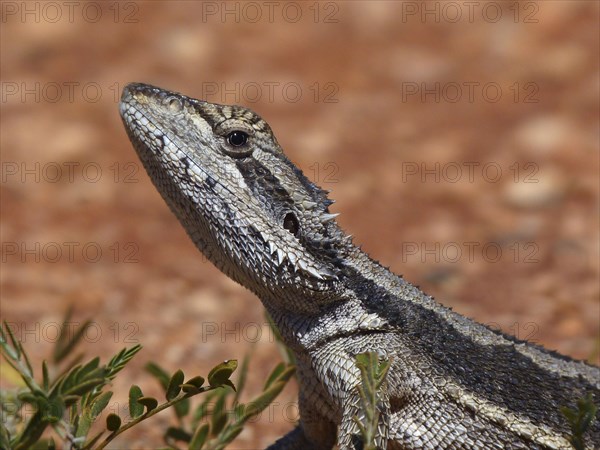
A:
[460,140]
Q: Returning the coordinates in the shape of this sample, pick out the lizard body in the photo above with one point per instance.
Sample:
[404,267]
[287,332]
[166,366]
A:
[453,383]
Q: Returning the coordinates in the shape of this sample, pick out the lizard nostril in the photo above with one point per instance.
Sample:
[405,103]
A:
[290,223]
[174,104]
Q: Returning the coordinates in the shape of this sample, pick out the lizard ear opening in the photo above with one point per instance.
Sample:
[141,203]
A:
[290,223]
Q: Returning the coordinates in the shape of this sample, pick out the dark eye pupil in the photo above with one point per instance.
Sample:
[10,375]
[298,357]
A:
[237,138]
[291,224]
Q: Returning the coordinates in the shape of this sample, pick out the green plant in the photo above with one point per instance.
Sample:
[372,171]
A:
[220,417]
[67,402]
[70,396]
[580,420]
[373,372]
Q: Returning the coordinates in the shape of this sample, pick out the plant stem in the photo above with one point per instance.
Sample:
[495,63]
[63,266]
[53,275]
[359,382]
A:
[156,410]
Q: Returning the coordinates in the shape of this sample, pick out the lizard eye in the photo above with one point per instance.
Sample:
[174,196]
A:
[291,224]
[237,138]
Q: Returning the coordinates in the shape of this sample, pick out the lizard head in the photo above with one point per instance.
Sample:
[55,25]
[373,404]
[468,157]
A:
[243,203]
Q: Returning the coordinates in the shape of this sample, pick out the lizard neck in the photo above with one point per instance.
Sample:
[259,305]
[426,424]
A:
[304,331]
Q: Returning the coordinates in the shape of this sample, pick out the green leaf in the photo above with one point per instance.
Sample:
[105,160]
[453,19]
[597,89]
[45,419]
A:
[52,410]
[149,402]
[63,336]
[219,415]
[284,350]
[187,388]
[263,400]
[373,371]
[65,345]
[220,374]
[28,397]
[182,408]
[15,349]
[230,384]
[70,400]
[178,434]
[45,376]
[196,381]
[241,381]
[100,404]
[113,422]
[278,370]
[9,353]
[238,411]
[78,377]
[136,409]
[273,387]
[288,373]
[60,378]
[363,359]
[32,431]
[26,359]
[580,420]
[90,367]
[91,413]
[159,373]
[231,433]
[4,436]
[116,364]
[16,357]
[199,437]
[84,387]
[203,410]
[174,386]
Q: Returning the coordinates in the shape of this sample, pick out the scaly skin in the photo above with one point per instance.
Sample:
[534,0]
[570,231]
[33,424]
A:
[453,383]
